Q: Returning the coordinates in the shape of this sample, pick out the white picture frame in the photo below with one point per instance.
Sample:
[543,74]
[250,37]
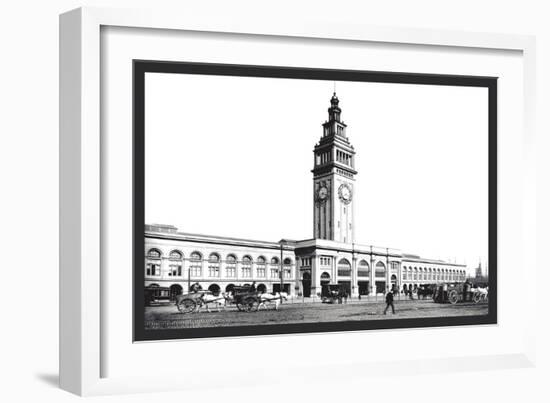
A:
[82,343]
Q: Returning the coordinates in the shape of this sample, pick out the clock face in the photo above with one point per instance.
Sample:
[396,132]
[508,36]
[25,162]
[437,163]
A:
[322,193]
[344,191]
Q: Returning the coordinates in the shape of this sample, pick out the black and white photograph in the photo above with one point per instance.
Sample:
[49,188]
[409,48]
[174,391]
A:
[283,200]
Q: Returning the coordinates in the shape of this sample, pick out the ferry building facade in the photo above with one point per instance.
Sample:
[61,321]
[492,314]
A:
[174,260]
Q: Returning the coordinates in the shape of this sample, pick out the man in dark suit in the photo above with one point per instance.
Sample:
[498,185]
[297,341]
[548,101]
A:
[389,302]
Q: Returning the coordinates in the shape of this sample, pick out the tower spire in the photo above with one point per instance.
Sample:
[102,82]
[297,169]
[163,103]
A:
[333,178]
[334,111]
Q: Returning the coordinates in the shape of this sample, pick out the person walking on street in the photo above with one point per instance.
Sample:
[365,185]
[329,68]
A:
[389,302]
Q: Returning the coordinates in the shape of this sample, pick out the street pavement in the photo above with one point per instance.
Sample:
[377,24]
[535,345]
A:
[168,316]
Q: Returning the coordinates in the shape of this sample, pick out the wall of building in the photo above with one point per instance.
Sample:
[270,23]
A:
[172,263]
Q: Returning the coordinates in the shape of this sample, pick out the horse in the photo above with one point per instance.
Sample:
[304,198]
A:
[483,293]
[275,299]
[218,301]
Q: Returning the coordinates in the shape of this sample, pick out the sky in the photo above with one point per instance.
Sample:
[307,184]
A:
[232,156]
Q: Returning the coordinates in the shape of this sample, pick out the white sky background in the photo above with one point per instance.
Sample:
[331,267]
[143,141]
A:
[232,156]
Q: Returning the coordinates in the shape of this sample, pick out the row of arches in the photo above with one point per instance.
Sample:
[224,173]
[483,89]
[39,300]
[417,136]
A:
[363,268]
[431,274]
[176,289]
[214,257]
[213,266]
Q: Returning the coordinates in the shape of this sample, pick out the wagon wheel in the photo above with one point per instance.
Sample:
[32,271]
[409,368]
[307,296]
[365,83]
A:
[477,297]
[249,304]
[186,305]
[453,296]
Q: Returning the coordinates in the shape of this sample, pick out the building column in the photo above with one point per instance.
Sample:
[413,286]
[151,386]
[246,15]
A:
[354,284]
[372,284]
[388,272]
[295,278]
[315,275]
[164,267]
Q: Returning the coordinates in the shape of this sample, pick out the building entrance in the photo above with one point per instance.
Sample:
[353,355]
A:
[346,285]
[306,284]
[363,287]
[380,287]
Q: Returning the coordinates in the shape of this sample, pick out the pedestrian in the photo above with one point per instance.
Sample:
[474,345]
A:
[389,302]
[253,287]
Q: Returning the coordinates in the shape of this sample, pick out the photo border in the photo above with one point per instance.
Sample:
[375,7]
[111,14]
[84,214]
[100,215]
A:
[81,342]
[141,67]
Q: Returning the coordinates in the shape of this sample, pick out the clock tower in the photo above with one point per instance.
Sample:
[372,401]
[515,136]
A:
[334,180]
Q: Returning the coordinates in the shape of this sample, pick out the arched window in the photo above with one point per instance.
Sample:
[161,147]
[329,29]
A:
[287,271]
[175,290]
[176,255]
[214,265]
[380,270]
[246,269]
[154,254]
[214,289]
[231,266]
[363,270]
[425,274]
[344,268]
[274,268]
[175,269]
[325,276]
[195,264]
[152,265]
[260,267]
[415,274]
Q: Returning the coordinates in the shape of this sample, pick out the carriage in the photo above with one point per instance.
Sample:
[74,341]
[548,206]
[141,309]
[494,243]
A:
[246,299]
[332,293]
[426,290]
[457,292]
[190,302]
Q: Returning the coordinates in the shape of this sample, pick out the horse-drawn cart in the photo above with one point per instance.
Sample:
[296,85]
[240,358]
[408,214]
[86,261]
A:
[247,300]
[457,292]
[187,303]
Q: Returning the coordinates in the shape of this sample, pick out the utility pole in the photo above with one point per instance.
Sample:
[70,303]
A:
[281,271]
[189,276]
